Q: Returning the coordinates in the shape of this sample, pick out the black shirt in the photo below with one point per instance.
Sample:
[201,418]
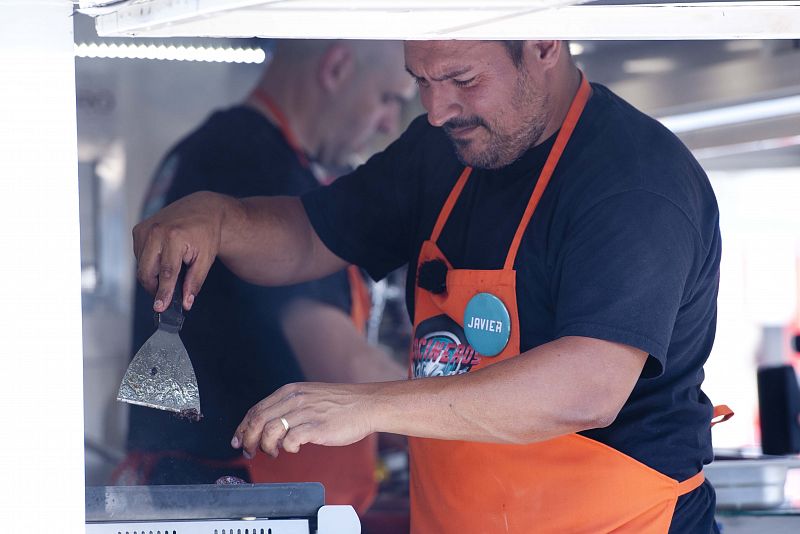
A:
[624,246]
[232,333]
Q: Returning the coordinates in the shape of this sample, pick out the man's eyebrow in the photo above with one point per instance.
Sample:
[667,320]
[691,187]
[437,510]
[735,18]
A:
[447,76]
[397,97]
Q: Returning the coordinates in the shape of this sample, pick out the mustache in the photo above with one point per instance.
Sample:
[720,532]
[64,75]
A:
[464,122]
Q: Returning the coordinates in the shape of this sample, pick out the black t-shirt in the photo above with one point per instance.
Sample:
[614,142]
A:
[624,246]
[232,333]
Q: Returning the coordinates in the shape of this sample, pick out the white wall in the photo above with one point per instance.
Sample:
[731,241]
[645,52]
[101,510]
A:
[760,226]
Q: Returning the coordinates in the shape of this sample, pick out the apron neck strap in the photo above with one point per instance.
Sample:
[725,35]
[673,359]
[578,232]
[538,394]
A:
[266,103]
[444,214]
[564,134]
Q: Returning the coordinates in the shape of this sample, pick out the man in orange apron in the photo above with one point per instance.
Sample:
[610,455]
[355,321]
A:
[566,251]
[316,105]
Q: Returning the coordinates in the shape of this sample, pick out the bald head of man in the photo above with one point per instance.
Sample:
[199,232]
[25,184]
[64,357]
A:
[338,95]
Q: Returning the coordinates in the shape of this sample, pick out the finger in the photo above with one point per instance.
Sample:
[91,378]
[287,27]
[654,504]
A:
[195,277]
[299,435]
[150,258]
[169,268]
[138,233]
[248,433]
[271,436]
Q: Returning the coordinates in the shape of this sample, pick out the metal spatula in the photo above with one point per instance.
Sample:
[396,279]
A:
[161,375]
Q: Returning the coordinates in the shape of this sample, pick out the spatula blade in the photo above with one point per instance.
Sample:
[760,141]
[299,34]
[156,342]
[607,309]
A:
[161,376]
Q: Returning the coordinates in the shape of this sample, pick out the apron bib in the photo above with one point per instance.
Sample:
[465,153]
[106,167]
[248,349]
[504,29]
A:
[566,484]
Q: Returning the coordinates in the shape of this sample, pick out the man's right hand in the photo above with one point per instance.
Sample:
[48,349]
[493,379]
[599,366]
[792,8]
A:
[187,231]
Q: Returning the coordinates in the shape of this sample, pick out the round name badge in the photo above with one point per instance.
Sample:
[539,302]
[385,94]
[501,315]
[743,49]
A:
[487,325]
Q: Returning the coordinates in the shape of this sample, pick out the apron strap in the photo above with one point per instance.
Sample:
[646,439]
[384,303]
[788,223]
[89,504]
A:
[691,484]
[721,414]
[450,203]
[269,104]
[567,127]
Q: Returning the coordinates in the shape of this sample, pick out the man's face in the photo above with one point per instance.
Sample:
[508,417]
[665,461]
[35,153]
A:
[491,110]
[372,106]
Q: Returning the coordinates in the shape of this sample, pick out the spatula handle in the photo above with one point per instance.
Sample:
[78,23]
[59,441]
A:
[171,319]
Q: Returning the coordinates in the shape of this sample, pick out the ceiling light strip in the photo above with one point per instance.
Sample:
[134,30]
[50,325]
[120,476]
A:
[712,118]
[170,52]
[745,148]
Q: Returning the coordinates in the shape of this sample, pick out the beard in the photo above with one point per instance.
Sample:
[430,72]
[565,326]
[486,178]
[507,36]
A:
[504,146]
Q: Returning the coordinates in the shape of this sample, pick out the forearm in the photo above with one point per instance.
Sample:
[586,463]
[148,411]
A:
[270,241]
[568,385]
[329,348]
[549,391]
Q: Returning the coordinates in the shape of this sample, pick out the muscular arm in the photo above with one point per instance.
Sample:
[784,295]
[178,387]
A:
[568,385]
[264,240]
[329,348]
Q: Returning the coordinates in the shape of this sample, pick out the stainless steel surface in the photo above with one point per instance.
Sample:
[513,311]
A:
[161,376]
[750,483]
[749,497]
[755,524]
[203,501]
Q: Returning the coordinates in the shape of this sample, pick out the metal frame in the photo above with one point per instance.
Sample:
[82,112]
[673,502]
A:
[453,19]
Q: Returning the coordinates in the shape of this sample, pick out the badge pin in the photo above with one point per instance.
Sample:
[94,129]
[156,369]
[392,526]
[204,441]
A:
[487,324]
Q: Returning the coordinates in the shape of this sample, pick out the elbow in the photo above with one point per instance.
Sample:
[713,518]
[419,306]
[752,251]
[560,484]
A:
[595,415]
[569,421]
[601,419]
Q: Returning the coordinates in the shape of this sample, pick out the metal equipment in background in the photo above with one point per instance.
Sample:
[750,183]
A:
[216,509]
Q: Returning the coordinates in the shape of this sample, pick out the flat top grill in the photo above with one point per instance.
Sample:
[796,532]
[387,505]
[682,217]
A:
[216,509]
[203,501]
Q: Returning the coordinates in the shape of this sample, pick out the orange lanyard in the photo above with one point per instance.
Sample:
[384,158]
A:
[264,100]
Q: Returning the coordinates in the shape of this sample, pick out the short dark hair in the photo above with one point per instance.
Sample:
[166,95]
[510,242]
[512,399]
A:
[514,49]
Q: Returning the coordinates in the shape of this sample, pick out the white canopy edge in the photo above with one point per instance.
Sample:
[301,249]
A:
[452,19]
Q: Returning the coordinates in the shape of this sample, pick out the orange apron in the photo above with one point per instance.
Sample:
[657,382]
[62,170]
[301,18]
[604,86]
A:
[348,473]
[568,484]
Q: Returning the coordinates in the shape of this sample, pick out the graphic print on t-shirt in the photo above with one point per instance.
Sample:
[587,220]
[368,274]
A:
[441,349]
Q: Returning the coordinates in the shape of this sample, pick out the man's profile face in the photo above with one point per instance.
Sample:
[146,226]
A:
[372,104]
[491,109]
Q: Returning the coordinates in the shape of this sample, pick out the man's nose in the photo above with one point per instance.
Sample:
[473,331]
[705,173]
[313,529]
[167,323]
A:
[440,105]
[389,122]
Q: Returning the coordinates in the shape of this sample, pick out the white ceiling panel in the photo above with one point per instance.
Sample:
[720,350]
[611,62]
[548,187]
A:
[451,19]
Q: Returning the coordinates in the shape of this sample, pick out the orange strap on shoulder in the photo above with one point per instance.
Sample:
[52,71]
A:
[444,214]
[567,127]
[721,414]
[283,124]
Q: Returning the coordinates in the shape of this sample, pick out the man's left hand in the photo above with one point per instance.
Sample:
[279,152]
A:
[324,414]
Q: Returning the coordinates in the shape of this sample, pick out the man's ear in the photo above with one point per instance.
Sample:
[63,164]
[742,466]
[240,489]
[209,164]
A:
[544,53]
[336,66]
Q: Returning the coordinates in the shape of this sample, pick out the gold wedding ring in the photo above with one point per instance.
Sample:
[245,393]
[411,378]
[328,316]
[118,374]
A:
[285,424]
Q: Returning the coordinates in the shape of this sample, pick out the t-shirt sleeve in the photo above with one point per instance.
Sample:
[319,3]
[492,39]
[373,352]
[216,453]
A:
[269,302]
[368,217]
[622,273]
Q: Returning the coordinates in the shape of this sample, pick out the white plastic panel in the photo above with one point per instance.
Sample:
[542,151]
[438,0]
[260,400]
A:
[256,526]
[452,19]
